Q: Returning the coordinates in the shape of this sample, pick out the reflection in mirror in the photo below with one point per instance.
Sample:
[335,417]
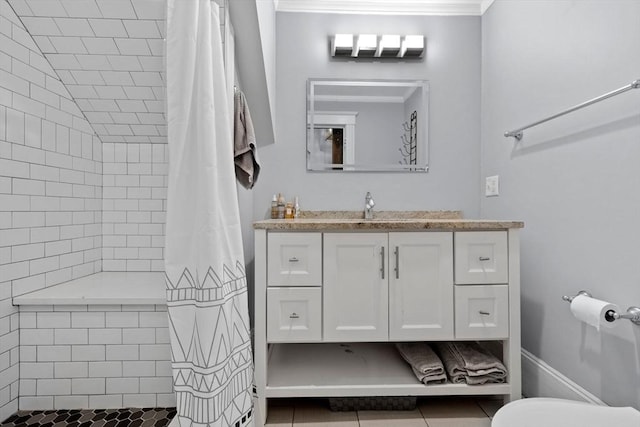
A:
[376,125]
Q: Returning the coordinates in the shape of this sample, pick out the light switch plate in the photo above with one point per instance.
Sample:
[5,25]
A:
[492,186]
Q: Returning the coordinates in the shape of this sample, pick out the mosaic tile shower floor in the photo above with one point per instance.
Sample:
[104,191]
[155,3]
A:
[127,417]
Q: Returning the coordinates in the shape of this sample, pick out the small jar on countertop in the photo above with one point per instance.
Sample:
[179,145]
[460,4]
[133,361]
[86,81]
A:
[274,207]
[288,211]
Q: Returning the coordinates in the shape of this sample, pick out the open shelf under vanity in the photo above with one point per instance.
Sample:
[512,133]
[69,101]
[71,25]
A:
[353,369]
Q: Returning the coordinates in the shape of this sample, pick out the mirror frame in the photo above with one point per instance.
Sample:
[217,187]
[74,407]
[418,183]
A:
[314,123]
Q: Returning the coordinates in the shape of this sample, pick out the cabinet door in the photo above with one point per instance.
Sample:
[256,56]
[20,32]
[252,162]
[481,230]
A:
[421,286]
[482,257]
[482,312]
[355,299]
[294,259]
[293,314]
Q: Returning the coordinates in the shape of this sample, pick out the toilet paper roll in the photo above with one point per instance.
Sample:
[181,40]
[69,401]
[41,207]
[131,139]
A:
[592,311]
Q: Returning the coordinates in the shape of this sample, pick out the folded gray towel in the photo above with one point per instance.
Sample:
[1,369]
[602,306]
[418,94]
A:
[480,363]
[425,363]
[486,379]
[431,378]
[471,363]
[453,364]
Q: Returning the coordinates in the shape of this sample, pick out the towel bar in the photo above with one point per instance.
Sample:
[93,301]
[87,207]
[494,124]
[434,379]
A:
[632,314]
[518,133]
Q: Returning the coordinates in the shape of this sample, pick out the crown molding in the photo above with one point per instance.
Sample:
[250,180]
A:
[484,5]
[387,7]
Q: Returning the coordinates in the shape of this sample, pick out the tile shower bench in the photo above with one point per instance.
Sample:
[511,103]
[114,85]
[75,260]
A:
[100,341]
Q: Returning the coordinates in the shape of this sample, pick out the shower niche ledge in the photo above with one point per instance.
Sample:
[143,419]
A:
[104,288]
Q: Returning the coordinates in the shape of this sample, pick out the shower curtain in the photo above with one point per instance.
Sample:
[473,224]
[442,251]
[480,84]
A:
[204,266]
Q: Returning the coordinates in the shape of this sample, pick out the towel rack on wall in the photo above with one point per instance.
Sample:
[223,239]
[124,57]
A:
[409,149]
[517,133]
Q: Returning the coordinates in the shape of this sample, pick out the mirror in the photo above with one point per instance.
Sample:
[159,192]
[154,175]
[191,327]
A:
[367,125]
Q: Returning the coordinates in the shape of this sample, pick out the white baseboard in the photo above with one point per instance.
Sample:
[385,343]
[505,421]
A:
[541,380]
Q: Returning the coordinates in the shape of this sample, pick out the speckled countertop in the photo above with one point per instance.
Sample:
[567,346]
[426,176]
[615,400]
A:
[384,220]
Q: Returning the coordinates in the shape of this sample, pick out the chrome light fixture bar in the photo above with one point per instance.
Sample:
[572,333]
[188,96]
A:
[375,46]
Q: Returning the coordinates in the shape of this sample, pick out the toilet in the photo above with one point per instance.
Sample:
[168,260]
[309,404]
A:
[551,412]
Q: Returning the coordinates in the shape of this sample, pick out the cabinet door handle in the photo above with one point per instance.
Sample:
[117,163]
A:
[397,262]
[293,259]
[484,258]
[294,316]
[484,313]
[382,261]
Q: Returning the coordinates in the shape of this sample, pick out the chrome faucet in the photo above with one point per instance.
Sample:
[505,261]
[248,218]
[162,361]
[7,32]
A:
[368,206]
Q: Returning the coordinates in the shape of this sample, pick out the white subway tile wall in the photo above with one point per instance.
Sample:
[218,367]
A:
[109,54]
[83,176]
[50,201]
[94,357]
[133,206]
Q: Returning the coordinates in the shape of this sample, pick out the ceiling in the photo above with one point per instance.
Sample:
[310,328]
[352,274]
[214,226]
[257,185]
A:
[387,7]
[109,55]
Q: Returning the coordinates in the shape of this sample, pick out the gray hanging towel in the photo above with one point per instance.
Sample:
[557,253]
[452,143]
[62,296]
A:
[244,143]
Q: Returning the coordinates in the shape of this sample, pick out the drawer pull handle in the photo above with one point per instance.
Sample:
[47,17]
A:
[293,259]
[397,262]
[484,313]
[382,261]
[484,258]
[294,316]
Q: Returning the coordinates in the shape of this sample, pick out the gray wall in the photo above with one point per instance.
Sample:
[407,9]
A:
[452,66]
[574,181]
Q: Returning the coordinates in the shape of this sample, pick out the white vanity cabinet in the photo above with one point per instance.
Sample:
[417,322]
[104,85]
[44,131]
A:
[295,259]
[481,257]
[355,289]
[387,286]
[482,285]
[421,286]
[332,299]
[294,279]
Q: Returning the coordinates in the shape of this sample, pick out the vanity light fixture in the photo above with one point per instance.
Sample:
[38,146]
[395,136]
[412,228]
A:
[366,46]
[412,46]
[342,45]
[374,46]
[389,46]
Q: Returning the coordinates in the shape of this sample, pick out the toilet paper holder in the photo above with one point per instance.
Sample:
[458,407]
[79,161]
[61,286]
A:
[633,313]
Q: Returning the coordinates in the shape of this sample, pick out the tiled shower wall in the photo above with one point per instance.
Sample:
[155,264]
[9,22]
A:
[94,357]
[73,203]
[134,206]
[50,187]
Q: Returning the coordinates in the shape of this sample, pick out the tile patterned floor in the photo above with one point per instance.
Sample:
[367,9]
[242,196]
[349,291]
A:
[128,417]
[430,412]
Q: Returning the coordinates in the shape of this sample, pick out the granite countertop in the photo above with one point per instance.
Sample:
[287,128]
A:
[384,220]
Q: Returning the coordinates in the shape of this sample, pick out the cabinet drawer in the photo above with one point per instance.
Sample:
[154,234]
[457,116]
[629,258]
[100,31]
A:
[481,257]
[294,259]
[294,314]
[482,312]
